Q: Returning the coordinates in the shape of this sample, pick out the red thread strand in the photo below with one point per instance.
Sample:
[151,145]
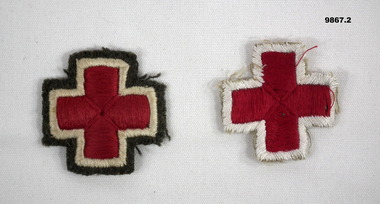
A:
[303,54]
[333,99]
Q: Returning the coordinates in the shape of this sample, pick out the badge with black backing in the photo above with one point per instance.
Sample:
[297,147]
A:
[102,111]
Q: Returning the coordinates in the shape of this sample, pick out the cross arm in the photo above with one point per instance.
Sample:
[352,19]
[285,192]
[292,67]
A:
[132,111]
[74,112]
[249,105]
[312,100]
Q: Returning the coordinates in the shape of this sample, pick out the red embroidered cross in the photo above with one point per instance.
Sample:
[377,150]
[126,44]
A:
[280,102]
[102,112]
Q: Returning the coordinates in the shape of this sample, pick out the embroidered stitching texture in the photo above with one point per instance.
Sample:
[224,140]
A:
[280,102]
[102,111]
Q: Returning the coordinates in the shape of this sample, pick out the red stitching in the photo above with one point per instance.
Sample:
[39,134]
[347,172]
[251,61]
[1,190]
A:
[101,95]
[291,101]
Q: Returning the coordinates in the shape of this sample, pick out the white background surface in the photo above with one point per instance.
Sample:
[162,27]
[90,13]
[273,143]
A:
[194,44]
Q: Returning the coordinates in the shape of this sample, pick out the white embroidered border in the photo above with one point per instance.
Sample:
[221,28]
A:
[229,86]
[57,133]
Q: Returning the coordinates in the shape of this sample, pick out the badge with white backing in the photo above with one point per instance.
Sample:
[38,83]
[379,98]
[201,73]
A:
[102,111]
[279,102]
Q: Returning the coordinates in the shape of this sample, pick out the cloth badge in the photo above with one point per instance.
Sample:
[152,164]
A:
[280,102]
[102,111]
